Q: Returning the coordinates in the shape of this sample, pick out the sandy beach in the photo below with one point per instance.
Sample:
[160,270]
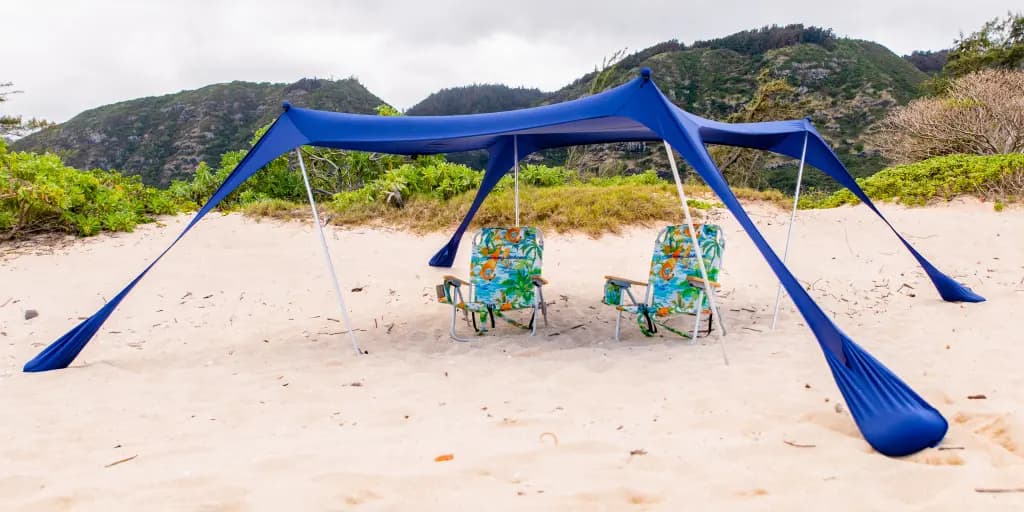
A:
[225,382]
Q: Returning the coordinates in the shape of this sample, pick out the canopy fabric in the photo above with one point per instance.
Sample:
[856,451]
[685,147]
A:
[893,418]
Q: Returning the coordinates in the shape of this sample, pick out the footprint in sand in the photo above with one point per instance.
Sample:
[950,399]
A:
[360,497]
[627,496]
[753,492]
[936,458]
[999,432]
[841,423]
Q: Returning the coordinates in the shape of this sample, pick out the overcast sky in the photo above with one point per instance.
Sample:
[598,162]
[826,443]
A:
[71,55]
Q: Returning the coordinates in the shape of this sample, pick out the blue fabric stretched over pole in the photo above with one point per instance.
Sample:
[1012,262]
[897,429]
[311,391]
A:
[892,417]
[280,138]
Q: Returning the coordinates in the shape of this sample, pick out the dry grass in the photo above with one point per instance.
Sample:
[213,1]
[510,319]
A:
[589,209]
[279,209]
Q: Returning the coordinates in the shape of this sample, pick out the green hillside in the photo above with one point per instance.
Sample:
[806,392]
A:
[476,99]
[165,137]
[850,83]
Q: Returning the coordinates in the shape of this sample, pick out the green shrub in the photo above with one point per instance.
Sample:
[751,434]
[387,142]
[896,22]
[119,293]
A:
[940,178]
[648,177]
[38,193]
[274,181]
[545,176]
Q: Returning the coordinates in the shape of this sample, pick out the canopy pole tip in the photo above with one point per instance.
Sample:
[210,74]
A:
[645,73]
[286,106]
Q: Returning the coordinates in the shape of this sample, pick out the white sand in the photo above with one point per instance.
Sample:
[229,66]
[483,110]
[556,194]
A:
[222,374]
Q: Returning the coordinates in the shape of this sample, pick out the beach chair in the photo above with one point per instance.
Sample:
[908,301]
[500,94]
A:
[504,275]
[675,286]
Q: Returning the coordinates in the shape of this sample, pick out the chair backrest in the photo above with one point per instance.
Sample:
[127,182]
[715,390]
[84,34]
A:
[674,259]
[503,265]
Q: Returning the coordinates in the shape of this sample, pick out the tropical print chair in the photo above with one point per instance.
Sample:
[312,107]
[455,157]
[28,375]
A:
[674,286]
[504,276]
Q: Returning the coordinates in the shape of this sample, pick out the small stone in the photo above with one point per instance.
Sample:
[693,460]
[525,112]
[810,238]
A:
[30,314]
[839,408]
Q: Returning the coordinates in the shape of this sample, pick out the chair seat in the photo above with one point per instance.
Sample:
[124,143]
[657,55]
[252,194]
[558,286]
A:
[480,306]
[657,309]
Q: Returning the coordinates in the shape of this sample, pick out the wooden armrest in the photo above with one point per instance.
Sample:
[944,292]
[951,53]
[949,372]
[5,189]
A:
[624,280]
[539,279]
[453,279]
[699,283]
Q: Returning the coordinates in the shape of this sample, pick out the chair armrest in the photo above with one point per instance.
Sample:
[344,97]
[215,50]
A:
[623,280]
[454,280]
[699,283]
[538,280]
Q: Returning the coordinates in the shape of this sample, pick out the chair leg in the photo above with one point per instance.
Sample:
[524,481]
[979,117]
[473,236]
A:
[451,333]
[543,305]
[455,315]
[618,324]
[721,320]
[696,323]
[533,321]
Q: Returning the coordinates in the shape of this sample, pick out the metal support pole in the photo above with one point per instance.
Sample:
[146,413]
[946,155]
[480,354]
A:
[515,172]
[700,253]
[327,254]
[792,220]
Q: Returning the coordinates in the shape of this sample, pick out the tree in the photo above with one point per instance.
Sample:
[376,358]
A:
[930,62]
[774,99]
[334,170]
[998,44]
[15,125]
[577,157]
[981,113]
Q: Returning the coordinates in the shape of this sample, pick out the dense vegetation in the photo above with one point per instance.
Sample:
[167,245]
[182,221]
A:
[998,44]
[759,41]
[979,113]
[844,85]
[930,62]
[998,178]
[476,99]
[38,194]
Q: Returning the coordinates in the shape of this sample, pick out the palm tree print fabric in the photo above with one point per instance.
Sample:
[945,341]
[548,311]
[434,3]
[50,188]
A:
[502,268]
[675,259]
[612,294]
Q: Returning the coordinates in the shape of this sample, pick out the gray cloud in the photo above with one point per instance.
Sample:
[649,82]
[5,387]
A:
[69,56]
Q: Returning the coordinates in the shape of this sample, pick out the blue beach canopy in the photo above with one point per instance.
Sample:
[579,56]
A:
[891,416]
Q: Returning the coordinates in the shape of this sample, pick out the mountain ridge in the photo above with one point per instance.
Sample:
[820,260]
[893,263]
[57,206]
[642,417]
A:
[854,82]
[165,137]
